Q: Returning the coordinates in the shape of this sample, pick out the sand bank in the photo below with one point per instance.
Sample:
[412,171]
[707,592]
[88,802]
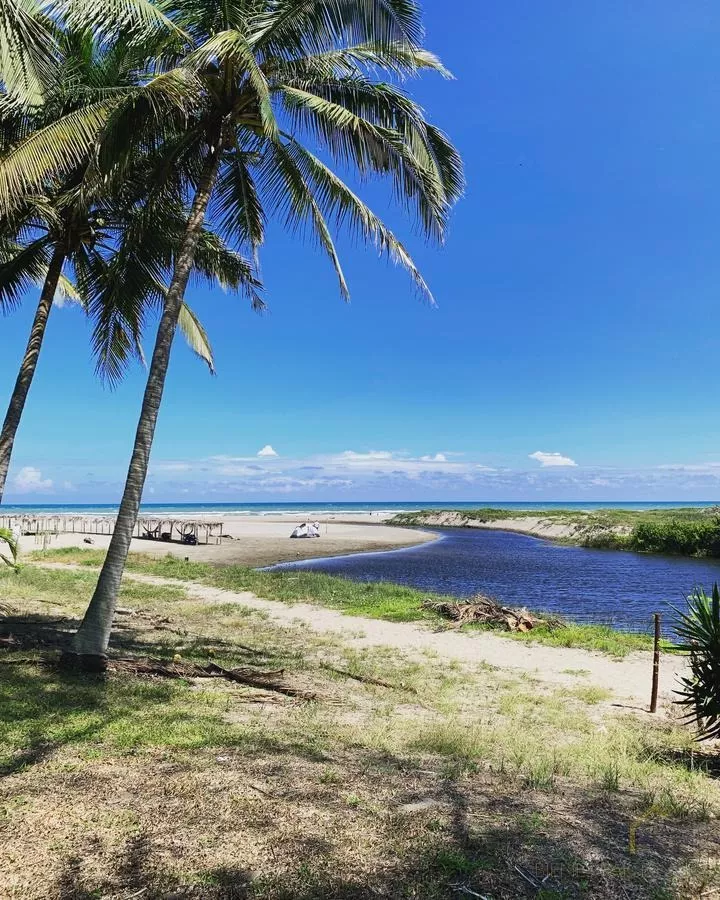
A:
[262,541]
[551,528]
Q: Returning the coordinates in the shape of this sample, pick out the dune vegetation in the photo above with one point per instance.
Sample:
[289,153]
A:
[687,531]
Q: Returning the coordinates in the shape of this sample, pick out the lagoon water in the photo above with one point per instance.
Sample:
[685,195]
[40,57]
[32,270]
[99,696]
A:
[603,586]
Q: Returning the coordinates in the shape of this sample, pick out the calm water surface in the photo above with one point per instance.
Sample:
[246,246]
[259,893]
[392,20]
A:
[603,586]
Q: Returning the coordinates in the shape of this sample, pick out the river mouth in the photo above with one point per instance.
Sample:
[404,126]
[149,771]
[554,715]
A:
[608,587]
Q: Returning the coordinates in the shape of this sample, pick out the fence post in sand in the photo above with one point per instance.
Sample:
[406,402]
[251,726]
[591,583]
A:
[656,666]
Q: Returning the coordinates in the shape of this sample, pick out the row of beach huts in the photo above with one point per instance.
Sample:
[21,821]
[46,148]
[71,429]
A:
[184,531]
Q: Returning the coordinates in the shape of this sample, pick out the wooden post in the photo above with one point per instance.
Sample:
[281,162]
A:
[656,666]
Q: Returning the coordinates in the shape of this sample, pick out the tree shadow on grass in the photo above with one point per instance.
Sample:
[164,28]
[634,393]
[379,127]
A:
[44,707]
[477,836]
[130,636]
[705,760]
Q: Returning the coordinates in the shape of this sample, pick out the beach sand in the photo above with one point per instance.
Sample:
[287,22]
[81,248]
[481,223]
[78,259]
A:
[264,540]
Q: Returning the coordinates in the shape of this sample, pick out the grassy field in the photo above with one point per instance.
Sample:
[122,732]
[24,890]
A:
[376,600]
[451,781]
[687,531]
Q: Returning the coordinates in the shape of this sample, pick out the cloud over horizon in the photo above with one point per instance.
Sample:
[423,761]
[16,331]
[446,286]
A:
[29,480]
[374,474]
[547,460]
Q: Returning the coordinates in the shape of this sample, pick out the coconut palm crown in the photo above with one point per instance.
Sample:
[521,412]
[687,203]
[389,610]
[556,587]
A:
[96,243]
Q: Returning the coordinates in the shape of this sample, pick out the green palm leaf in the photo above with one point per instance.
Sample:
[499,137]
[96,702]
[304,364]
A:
[348,210]
[310,26]
[27,52]
[7,537]
[196,336]
[56,149]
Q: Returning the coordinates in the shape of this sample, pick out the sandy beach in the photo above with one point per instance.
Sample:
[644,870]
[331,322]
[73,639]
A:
[263,540]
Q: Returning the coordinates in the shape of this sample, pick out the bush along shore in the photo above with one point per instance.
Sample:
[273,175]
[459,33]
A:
[683,531]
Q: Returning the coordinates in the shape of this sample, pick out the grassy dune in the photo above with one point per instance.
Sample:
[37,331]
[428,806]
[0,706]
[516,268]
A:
[454,780]
[686,531]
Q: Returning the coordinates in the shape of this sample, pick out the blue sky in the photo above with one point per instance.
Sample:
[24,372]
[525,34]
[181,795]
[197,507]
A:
[571,353]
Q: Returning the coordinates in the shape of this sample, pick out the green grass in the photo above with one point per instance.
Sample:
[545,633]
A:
[375,600]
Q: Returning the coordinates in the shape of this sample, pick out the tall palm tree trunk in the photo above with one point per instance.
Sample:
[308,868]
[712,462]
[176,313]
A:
[91,640]
[29,364]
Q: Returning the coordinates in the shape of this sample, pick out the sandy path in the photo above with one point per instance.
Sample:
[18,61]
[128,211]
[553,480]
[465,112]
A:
[628,679]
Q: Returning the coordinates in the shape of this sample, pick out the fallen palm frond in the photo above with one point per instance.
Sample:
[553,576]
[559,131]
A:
[481,610]
[266,681]
[367,679]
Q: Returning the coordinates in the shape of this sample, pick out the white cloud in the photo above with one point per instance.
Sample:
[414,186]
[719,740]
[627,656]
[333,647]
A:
[371,456]
[439,457]
[267,450]
[238,469]
[548,460]
[29,479]
[171,467]
[709,468]
[68,486]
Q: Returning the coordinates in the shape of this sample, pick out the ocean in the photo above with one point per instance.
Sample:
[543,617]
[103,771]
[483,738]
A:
[322,508]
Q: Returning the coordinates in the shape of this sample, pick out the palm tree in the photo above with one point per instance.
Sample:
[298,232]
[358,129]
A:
[266,77]
[106,239]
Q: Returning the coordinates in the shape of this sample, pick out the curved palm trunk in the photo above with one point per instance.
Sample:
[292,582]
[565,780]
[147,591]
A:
[91,640]
[28,364]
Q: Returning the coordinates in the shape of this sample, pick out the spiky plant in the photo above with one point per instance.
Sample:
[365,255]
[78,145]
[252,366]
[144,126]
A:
[7,539]
[699,631]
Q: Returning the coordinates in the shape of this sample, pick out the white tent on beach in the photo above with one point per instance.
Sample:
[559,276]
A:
[307,530]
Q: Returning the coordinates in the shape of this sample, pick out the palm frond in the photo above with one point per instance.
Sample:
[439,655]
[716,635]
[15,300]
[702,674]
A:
[297,27]
[28,60]
[108,18]
[7,537]
[21,268]
[56,149]
[237,206]
[699,631]
[348,210]
[352,139]
[399,60]
[67,292]
[290,194]
[196,336]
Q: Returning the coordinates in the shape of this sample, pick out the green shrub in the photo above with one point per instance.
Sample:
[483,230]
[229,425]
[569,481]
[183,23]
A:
[699,633]
[700,537]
